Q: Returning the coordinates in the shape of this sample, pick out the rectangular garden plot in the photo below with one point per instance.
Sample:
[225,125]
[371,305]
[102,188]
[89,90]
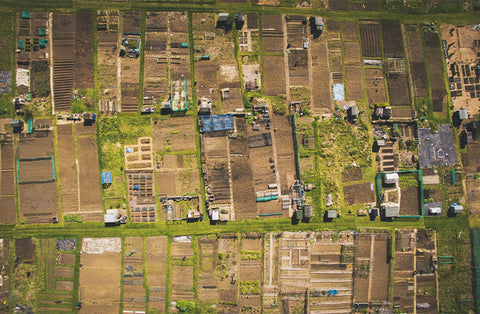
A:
[67,169]
[90,198]
[322,100]
[227,272]
[375,83]
[7,184]
[416,59]
[359,193]
[38,200]
[156,267]
[251,272]
[274,75]
[298,67]
[133,275]
[107,53]
[181,269]
[272,33]
[370,39]
[436,70]
[101,262]
[207,279]
[392,39]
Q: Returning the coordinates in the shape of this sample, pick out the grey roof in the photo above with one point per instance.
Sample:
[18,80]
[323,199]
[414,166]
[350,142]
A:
[331,213]
[463,114]
[308,210]
[110,218]
[391,210]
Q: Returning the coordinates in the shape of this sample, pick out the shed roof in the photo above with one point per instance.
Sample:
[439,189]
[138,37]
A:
[391,210]
[331,213]
[110,218]
[106,177]
[463,113]
[390,178]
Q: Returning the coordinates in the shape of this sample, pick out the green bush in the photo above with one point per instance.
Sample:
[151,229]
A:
[72,218]
[250,287]
[186,306]
[251,255]
[280,107]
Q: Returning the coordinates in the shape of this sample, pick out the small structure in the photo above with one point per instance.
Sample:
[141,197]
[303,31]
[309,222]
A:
[106,178]
[455,209]
[110,219]
[390,178]
[352,114]
[204,106]
[317,25]
[330,214]
[391,210]
[308,211]
[463,114]
[433,209]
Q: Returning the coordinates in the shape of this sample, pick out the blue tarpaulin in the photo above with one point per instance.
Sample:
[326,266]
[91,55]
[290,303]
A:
[332,292]
[220,122]
[106,177]
[338,92]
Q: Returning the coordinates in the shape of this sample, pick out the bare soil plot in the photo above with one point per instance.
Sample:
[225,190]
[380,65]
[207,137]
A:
[363,6]
[242,174]
[349,31]
[156,62]
[359,193]
[64,32]
[354,82]
[130,72]
[274,75]
[35,170]
[204,71]
[338,5]
[296,30]
[403,295]
[351,52]
[181,270]
[38,201]
[67,168]
[354,174]
[176,134]
[370,39]
[90,198]
[392,43]
[272,33]
[380,269]
[84,50]
[298,67]
[64,272]
[156,267]
[322,101]
[435,68]
[100,264]
[375,83]
[284,149]
[7,212]
[25,249]
[409,203]
[181,22]
[107,52]
[398,91]
[333,29]
[157,22]
[133,276]
[418,68]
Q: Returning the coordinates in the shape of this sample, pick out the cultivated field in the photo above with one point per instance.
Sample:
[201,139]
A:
[101,262]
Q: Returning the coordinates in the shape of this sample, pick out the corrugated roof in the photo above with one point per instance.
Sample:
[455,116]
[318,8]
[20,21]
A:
[218,122]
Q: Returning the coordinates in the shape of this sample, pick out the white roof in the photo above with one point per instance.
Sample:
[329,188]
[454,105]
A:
[215,214]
